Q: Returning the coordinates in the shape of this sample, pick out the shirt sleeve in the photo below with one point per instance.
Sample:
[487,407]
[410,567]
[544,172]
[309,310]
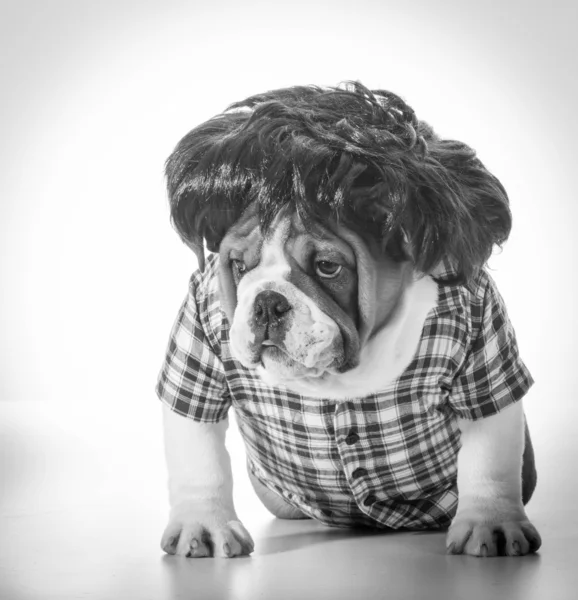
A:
[492,375]
[192,379]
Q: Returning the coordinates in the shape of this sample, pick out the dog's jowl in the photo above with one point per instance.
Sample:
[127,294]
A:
[342,308]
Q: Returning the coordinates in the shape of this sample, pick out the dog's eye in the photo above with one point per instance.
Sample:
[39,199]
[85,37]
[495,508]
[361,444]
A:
[239,268]
[327,269]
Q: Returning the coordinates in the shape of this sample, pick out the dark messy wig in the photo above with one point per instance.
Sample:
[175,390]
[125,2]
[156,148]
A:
[343,154]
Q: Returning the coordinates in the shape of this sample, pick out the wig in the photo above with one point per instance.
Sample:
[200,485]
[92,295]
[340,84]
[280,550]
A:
[345,155]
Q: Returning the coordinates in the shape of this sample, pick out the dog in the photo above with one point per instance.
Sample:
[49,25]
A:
[346,314]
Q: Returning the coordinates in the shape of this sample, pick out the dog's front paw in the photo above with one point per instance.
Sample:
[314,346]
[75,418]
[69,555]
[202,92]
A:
[485,531]
[207,532]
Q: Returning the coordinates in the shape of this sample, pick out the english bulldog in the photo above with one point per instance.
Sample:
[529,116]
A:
[346,315]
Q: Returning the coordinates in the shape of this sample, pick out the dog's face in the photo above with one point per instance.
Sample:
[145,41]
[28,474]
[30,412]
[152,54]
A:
[303,301]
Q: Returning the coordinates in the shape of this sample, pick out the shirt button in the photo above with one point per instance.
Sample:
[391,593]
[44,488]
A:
[359,472]
[352,438]
[369,500]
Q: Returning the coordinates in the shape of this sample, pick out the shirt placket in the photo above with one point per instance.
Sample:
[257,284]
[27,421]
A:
[355,454]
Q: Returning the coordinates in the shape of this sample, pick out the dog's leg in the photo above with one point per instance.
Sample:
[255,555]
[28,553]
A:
[203,521]
[490,518]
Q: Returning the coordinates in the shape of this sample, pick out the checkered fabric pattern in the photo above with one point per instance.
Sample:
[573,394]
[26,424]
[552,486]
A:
[386,460]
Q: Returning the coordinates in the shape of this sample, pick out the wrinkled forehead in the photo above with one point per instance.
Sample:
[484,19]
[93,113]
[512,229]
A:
[287,238]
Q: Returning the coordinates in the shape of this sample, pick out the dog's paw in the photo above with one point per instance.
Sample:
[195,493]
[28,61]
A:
[206,533]
[482,532]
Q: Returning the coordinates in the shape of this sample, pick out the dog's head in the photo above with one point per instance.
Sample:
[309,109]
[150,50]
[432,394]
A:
[323,205]
[303,298]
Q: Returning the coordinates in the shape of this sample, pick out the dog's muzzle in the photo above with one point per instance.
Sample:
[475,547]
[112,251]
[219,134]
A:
[280,330]
[270,313]
[271,319]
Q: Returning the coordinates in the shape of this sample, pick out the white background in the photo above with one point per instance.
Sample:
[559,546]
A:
[96,94]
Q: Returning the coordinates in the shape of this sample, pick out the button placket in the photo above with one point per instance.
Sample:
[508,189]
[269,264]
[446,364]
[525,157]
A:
[359,488]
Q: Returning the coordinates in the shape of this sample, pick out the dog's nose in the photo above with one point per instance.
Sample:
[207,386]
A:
[270,307]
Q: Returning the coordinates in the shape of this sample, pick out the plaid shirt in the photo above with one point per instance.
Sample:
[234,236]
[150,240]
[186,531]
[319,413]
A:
[385,460]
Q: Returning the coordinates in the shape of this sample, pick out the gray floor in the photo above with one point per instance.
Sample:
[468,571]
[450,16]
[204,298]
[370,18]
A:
[82,514]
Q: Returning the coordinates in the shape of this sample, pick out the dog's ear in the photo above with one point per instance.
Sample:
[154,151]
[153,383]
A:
[455,208]
[207,188]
